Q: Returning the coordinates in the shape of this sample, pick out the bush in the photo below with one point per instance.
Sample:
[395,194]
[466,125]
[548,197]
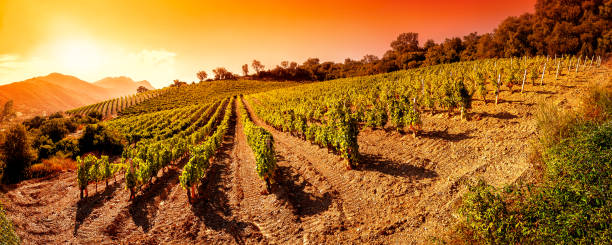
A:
[17,154]
[101,139]
[69,147]
[57,128]
[51,165]
[34,122]
[56,115]
[95,115]
[572,204]
[7,232]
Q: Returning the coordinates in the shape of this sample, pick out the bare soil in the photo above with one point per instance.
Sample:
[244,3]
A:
[405,190]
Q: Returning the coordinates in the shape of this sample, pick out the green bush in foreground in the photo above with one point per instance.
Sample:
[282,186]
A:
[573,204]
[7,232]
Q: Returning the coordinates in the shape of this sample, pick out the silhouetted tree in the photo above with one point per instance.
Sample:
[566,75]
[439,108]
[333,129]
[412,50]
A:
[142,89]
[222,74]
[177,83]
[285,64]
[245,69]
[406,42]
[202,75]
[257,66]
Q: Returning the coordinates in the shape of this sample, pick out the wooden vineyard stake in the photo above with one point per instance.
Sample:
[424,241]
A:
[524,77]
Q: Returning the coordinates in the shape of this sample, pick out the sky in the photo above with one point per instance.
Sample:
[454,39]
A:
[163,40]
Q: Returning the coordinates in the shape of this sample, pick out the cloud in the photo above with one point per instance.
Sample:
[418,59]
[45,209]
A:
[154,57]
[10,62]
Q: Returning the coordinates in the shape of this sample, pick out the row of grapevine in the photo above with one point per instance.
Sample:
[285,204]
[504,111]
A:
[163,124]
[115,106]
[336,130]
[397,99]
[147,157]
[262,145]
[202,155]
[93,169]
[203,93]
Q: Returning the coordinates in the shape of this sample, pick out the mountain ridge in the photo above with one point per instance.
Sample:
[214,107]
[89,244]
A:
[54,92]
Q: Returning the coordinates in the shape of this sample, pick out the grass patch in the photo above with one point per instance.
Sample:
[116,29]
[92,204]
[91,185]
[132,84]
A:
[52,165]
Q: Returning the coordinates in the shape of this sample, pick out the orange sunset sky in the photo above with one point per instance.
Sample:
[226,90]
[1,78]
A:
[160,41]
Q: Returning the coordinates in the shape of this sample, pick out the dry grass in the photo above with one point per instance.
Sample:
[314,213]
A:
[554,124]
[52,165]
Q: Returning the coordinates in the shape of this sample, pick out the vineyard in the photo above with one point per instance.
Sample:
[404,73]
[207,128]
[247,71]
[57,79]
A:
[117,105]
[375,159]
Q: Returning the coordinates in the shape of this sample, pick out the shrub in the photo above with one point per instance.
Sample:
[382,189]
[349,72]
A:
[7,232]
[56,115]
[95,115]
[34,122]
[99,138]
[572,204]
[17,154]
[51,165]
[69,147]
[57,128]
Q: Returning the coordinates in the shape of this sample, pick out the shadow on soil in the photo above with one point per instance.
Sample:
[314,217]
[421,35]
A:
[303,202]
[144,206]
[517,102]
[88,204]
[445,135]
[501,115]
[544,92]
[212,206]
[378,163]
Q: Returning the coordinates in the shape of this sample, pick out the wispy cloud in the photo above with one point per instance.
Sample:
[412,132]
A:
[154,57]
[10,62]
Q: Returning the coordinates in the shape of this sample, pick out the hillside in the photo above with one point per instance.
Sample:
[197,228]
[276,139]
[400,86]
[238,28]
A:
[122,86]
[58,92]
[404,189]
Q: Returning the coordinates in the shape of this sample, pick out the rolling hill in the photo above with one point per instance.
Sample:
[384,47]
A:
[121,86]
[57,92]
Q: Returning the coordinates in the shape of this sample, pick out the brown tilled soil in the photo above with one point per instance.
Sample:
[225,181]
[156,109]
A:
[406,190]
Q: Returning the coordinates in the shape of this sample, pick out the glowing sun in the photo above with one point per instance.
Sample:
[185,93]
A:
[81,55]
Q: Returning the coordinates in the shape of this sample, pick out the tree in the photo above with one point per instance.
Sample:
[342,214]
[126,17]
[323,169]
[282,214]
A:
[177,83]
[8,111]
[285,64]
[202,75]
[369,59]
[55,129]
[430,43]
[222,74]
[99,138]
[142,89]
[406,42]
[257,66]
[245,69]
[17,154]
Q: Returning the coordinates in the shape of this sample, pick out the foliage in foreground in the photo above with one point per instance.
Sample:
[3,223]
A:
[7,231]
[574,202]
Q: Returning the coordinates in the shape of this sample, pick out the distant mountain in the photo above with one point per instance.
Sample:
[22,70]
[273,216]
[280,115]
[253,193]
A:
[58,92]
[121,86]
